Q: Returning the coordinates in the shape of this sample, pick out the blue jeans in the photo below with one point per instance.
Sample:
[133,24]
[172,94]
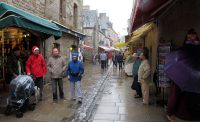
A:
[75,89]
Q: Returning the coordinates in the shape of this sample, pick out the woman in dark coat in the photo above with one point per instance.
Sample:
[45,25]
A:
[14,65]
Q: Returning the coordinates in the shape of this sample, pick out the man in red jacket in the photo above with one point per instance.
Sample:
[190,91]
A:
[36,66]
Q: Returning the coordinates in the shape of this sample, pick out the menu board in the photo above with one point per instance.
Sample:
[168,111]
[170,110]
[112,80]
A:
[163,79]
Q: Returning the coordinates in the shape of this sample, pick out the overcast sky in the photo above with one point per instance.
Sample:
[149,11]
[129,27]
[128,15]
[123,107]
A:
[119,12]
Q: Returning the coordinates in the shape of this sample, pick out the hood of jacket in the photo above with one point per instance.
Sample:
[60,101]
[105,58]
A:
[34,47]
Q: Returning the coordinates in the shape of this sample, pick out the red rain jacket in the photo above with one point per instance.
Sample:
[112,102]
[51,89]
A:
[36,65]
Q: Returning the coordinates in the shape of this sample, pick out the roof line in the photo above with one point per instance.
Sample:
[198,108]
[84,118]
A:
[67,27]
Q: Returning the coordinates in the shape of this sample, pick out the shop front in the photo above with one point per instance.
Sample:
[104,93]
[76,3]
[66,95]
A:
[173,19]
[23,30]
[10,38]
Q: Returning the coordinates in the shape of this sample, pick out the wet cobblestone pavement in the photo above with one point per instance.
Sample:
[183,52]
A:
[119,105]
[64,110]
[107,98]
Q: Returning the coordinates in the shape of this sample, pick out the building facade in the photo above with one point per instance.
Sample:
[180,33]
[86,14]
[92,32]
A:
[90,26]
[63,14]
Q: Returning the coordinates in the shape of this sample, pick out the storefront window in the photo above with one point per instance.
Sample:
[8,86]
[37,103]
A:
[10,38]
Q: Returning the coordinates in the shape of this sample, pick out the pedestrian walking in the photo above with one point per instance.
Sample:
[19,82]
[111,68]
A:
[135,69]
[56,66]
[120,60]
[75,71]
[144,77]
[14,64]
[36,67]
[114,60]
[107,59]
[103,58]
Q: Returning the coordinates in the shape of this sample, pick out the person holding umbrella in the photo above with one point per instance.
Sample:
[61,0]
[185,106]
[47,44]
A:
[182,66]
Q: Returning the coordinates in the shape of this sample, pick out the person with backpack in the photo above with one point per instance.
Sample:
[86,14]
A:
[75,71]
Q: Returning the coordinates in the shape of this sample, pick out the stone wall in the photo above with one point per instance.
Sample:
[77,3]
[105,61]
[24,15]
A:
[65,43]
[65,15]
[52,10]
[36,7]
[174,24]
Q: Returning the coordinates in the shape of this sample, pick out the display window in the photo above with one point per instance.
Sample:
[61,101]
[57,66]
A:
[10,38]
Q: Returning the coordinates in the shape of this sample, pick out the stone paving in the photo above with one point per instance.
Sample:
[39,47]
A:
[46,111]
[115,104]
[119,105]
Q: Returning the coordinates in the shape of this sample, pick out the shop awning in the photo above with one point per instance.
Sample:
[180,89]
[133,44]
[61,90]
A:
[86,47]
[147,10]
[105,48]
[114,49]
[140,32]
[70,31]
[12,16]
[120,44]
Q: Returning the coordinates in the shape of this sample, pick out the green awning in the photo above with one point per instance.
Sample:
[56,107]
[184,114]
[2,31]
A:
[65,29]
[12,16]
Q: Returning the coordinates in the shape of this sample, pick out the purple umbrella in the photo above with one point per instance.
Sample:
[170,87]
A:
[183,67]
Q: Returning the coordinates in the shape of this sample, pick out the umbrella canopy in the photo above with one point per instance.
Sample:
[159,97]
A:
[87,47]
[183,67]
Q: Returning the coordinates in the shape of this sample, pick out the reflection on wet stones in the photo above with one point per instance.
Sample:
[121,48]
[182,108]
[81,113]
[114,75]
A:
[90,99]
[67,119]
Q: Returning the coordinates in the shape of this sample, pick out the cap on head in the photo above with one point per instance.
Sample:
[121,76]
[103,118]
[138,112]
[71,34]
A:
[75,55]
[35,48]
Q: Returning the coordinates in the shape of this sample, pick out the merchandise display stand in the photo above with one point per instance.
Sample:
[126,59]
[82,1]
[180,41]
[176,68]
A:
[162,78]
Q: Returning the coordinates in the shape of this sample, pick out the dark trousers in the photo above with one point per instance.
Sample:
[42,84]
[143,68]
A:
[106,63]
[103,64]
[120,65]
[114,63]
[57,82]
[137,86]
[39,83]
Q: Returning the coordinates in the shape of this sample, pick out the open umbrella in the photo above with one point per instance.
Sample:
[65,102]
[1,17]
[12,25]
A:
[183,67]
